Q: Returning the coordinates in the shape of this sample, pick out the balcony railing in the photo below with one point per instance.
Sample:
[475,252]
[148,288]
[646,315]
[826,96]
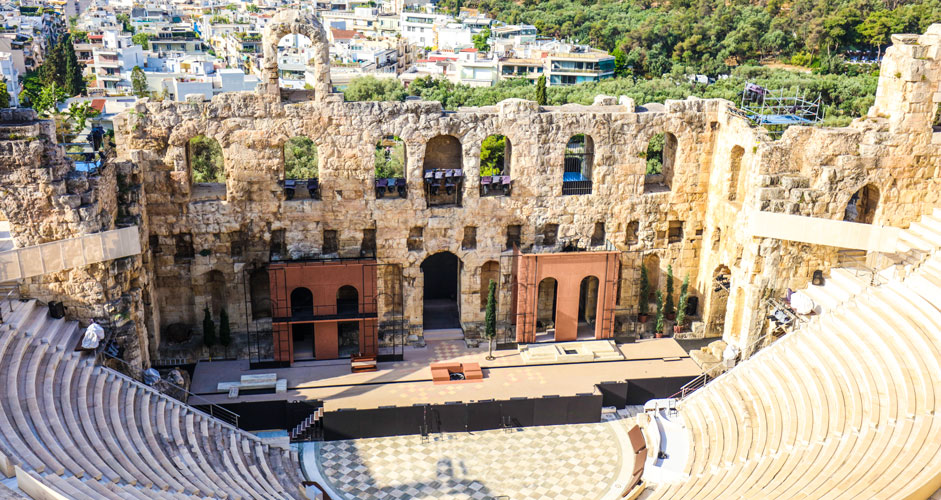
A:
[576,187]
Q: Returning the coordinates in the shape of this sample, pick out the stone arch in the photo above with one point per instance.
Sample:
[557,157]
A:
[735,167]
[661,159]
[489,271]
[442,170]
[441,292]
[300,174]
[390,159]
[292,21]
[347,300]
[578,163]
[205,165]
[862,205]
[496,154]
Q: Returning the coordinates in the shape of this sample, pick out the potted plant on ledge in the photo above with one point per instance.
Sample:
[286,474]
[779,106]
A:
[681,309]
[643,304]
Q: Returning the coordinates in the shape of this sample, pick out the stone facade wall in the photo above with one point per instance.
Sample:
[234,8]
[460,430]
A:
[723,170]
[45,199]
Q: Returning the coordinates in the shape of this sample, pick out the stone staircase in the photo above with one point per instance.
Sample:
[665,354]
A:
[846,406]
[88,432]
[852,275]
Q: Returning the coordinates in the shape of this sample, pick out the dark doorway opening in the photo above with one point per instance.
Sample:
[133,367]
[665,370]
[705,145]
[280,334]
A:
[303,336]
[348,339]
[587,306]
[302,303]
[441,272]
[347,300]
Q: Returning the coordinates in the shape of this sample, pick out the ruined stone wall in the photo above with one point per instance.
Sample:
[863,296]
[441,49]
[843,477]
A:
[201,243]
[252,129]
[46,199]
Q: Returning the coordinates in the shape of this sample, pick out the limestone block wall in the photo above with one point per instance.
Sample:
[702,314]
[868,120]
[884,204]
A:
[45,199]
[252,129]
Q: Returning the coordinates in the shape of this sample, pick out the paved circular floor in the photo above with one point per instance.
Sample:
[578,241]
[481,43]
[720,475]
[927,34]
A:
[554,462]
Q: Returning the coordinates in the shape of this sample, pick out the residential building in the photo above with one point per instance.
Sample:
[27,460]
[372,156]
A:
[10,76]
[112,64]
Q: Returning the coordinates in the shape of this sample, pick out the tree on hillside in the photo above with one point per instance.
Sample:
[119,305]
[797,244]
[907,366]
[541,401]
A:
[480,40]
[370,88]
[139,82]
[73,81]
[142,39]
[668,300]
[541,95]
[4,95]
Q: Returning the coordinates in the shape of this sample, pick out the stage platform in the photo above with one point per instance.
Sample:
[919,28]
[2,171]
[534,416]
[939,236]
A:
[408,382]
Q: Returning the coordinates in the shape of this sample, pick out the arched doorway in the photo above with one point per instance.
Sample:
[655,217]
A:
[490,271]
[545,309]
[587,306]
[302,334]
[441,291]
[347,300]
[315,51]
[861,207]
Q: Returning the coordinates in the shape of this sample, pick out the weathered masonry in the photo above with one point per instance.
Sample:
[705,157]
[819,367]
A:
[573,183]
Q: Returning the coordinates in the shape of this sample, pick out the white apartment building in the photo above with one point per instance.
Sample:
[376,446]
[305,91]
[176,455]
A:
[11,76]
[112,64]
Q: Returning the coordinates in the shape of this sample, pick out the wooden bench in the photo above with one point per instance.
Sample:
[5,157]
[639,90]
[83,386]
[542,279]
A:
[359,364]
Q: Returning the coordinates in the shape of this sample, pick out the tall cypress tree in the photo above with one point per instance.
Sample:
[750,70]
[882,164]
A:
[541,96]
[49,71]
[72,79]
[490,319]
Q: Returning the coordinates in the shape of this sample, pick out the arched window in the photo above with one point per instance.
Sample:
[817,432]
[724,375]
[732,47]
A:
[661,156]
[391,165]
[347,300]
[443,171]
[579,154]
[295,55]
[302,302]
[260,294]
[735,167]
[301,169]
[490,271]
[862,206]
[495,154]
[207,168]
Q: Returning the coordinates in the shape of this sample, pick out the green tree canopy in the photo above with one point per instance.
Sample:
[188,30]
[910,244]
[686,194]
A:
[205,160]
[481,40]
[139,82]
[300,158]
[390,158]
[142,39]
[370,88]
[4,95]
[492,155]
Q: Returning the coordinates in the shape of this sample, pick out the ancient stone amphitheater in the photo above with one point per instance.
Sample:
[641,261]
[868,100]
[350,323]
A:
[842,406]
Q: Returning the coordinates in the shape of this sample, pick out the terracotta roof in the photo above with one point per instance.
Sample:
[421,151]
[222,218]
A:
[343,34]
[469,49]
[98,104]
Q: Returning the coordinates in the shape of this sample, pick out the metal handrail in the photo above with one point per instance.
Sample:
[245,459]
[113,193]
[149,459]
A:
[170,389]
